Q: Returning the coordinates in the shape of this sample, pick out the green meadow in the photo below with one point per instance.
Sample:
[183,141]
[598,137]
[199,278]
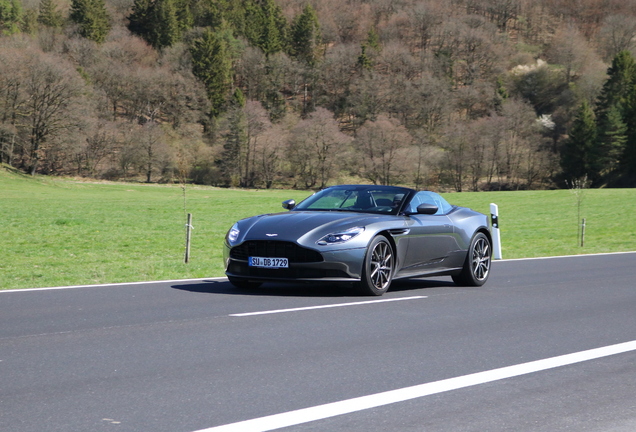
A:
[59,232]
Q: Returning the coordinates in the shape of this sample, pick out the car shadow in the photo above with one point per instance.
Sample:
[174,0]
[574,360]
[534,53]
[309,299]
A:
[306,289]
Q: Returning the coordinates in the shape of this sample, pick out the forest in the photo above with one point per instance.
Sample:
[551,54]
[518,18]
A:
[457,95]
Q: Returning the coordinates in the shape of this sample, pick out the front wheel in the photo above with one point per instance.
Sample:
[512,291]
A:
[379,263]
[477,264]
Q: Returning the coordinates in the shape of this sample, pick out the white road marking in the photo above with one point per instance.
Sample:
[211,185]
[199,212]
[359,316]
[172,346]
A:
[563,256]
[110,285]
[224,278]
[246,314]
[320,412]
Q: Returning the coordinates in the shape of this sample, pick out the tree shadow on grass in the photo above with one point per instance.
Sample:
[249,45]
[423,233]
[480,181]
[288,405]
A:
[313,289]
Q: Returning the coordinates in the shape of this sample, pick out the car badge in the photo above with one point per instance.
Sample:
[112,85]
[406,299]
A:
[271,235]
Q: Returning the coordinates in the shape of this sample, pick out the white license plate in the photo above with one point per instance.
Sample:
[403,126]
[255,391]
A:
[268,262]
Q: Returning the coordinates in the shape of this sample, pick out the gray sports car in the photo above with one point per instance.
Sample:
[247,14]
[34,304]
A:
[364,234]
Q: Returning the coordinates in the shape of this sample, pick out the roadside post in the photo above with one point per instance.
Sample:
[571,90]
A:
[494,230]
[189,229]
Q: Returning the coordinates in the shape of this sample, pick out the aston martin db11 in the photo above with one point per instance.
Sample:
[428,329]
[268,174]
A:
[361,234]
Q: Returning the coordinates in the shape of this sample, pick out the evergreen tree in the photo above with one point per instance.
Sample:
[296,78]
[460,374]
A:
[217,13]
[160,22]
[139,21]
[306,37]
[580,153]
[92,18]
[622,75]
[627,166]
[211,63]
[48,14]
[373,39]
[616,109]
[10,16]
[612,138]
[364,62]
[165,25]
[265,26]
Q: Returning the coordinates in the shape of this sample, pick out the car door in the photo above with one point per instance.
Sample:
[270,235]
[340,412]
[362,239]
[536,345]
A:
[431,239]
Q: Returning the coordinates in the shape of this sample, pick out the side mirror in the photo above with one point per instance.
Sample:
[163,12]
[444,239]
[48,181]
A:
[427,209]
[289,204]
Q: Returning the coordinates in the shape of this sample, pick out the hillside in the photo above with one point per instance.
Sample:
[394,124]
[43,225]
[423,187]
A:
[459,95]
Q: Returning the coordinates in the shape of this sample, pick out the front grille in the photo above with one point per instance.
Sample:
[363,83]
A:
[275,249]
[242,269]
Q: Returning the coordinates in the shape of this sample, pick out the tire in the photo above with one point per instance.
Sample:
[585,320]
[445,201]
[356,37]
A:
[378,268]
[477,264]
[243,283]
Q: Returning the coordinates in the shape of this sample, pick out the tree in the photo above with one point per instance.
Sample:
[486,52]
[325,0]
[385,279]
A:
[97,145]
[369,96]
[306,37]
[10,16]
[316,144]
[627,164]
[244,159]
[212,65]
[612,137]
[580,153]
[617,88]
[617,34]
[615,112]
[92,18]
[265,26]
[151,152]
[48,14]
[570,50]
[455,162]
[166,29]
[160,22]
[382,149]
[51,91]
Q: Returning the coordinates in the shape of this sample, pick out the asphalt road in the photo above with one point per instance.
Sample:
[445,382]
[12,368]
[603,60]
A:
[180,357]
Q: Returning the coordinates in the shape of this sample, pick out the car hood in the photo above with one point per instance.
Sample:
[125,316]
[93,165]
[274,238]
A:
[297,226]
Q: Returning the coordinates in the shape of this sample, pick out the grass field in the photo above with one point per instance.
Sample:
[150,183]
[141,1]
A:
[57,232]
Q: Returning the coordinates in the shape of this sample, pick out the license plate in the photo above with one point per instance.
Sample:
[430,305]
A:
[268,262]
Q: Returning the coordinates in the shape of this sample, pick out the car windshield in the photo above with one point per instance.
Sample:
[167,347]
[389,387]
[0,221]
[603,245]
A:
[365,199]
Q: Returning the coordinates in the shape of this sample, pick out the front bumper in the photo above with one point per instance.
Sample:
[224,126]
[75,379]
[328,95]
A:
[343,265]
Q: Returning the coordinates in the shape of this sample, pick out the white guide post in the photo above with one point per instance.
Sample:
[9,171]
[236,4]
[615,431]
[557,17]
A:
[494,231]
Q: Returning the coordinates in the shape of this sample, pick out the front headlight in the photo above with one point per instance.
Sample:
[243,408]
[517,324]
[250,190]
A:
[340,237]
[232,234]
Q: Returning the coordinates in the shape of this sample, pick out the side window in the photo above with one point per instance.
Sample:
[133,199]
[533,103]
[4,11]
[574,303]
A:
[426,197]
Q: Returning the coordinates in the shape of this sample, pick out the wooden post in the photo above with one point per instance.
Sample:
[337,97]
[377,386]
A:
[583,233]
[189,229]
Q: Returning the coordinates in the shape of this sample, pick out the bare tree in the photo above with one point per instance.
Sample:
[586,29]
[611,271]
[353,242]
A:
[424,17]
[368,98]
[150,150]
[336,75]
[618,33]
[570,50]
[99,143]
[269,154]
[256,123]
[52,89]
[381,150]
[315,146]
[456,155]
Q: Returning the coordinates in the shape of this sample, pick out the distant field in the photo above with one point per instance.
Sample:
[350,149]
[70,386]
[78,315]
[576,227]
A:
[57,232]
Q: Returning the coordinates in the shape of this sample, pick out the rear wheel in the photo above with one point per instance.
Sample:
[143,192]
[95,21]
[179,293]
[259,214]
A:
[243,283]
[477,265]
[379,264]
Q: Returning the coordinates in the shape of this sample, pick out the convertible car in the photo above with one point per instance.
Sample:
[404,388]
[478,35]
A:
[362,234]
